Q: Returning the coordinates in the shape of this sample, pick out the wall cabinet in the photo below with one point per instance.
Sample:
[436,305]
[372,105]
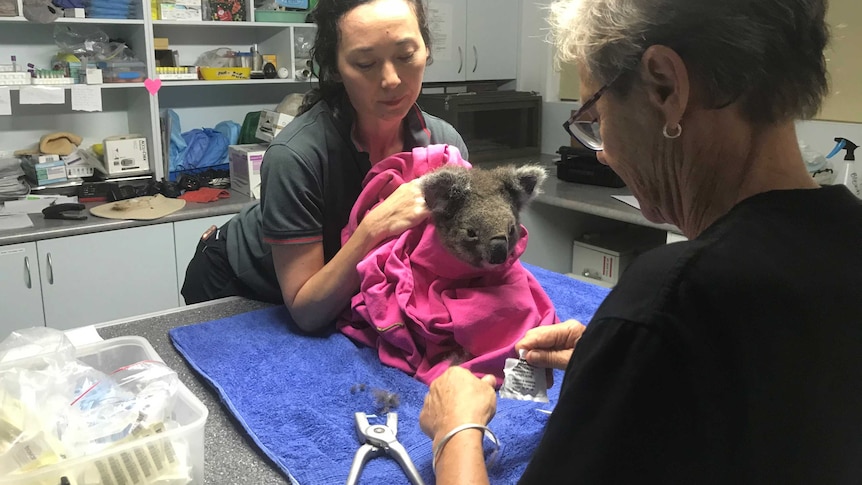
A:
[108,275]
[20,288]
[72,281]
[473,40]
[92,278]
[129,107]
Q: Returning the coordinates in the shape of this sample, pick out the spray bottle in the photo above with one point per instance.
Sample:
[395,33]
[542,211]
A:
[847,174]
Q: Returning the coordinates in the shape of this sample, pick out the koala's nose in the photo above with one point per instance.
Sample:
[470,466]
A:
[499,250]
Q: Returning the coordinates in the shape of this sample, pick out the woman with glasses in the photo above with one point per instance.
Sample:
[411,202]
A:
[733,357]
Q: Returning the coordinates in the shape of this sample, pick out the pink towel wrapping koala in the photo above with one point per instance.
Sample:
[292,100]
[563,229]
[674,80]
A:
[425,309]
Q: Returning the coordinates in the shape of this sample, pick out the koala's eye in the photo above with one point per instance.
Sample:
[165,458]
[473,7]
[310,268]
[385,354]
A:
[472,234]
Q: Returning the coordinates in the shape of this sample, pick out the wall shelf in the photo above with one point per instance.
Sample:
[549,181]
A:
[128,107]
[178,84]
[64,20]
[69,86]
[225,25]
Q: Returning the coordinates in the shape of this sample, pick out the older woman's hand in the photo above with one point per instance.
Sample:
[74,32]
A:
[455,398]
[402,210]
[551,345]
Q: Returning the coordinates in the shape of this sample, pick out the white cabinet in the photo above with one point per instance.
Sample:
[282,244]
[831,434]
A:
[72,281]
[473,40]
[128,107]
[20,288]
[187,234]
[108,275]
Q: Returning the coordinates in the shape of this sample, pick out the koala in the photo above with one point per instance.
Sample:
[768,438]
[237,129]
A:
[476,211]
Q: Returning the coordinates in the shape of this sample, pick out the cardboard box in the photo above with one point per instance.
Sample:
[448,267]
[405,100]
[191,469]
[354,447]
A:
[74,13]
[126,155]
[598,263]
[271,123]
[49,170]
[172,11]
[245,163]
[160,43]
[93,75]
[602,257]
[161,457]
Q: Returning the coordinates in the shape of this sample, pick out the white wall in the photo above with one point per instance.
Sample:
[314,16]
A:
[536,73]
[820,135]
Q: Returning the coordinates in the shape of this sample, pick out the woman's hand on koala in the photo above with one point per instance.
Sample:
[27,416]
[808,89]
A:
[551,345]
[402,210]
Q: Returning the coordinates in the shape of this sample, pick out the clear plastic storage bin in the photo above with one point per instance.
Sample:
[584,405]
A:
[123,71]
[189,413]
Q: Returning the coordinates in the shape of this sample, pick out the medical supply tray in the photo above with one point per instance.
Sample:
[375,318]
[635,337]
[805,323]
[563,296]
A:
[107,356]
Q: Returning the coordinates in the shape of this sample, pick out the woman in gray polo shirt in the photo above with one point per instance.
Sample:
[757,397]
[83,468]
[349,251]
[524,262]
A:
[372,56]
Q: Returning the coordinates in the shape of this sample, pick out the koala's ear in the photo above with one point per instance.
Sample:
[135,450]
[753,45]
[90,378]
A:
[445,189]
[524,182]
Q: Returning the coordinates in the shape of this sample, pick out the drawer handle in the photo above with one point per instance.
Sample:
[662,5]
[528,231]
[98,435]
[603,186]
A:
[475,58]
[29,276]
[50,270]
[460,59]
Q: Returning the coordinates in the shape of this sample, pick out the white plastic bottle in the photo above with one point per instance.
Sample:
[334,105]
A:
[847,174]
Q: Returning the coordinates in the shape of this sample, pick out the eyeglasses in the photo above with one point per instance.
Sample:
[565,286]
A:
[586,131]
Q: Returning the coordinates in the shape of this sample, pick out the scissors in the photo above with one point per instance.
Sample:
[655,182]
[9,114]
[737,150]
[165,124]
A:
[377,440]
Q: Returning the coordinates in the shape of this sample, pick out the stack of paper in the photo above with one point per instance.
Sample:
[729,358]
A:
[12,185]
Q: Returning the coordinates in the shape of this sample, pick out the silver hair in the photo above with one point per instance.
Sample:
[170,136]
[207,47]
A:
[767,54]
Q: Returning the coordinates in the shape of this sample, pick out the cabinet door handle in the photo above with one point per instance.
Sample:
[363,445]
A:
[475,58]
[50,270]
[460,59]
[29,280]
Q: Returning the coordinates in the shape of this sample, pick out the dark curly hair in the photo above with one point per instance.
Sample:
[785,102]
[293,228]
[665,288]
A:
[324,53]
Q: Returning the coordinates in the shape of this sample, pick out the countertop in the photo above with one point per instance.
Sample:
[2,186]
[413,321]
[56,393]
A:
[589,199]
[53,228]
[230,456]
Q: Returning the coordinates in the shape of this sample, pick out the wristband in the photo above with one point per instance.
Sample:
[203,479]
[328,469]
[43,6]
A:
[439,448]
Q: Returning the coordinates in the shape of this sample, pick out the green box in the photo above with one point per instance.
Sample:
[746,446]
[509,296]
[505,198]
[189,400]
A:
[286,16]
[295,17]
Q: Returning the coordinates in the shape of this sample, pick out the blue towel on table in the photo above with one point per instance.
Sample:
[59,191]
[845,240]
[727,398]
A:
[296,394]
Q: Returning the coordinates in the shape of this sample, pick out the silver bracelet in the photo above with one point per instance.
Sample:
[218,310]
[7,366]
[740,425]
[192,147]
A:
[439,448]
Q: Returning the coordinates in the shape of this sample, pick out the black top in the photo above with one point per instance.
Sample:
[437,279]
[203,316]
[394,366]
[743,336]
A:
[311,176]
[732,358]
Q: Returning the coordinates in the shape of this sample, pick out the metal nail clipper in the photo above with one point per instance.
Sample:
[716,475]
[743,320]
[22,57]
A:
[377,440]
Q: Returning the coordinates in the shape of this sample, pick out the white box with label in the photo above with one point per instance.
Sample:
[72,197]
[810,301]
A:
[125,155]
[245,163]
[597,262]
[271,123]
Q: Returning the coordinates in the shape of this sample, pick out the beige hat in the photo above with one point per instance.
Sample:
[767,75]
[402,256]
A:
[140,208]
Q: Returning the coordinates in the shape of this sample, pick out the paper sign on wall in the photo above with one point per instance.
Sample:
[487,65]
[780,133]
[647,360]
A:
[86,98]
[5,101]
[42,95]
[441,24]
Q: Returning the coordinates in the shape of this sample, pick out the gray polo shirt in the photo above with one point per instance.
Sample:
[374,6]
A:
[310,178]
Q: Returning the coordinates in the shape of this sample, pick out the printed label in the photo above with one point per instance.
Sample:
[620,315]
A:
[524,382]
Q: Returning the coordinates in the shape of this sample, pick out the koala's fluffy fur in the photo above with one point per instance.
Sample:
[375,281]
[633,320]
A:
[476,211]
